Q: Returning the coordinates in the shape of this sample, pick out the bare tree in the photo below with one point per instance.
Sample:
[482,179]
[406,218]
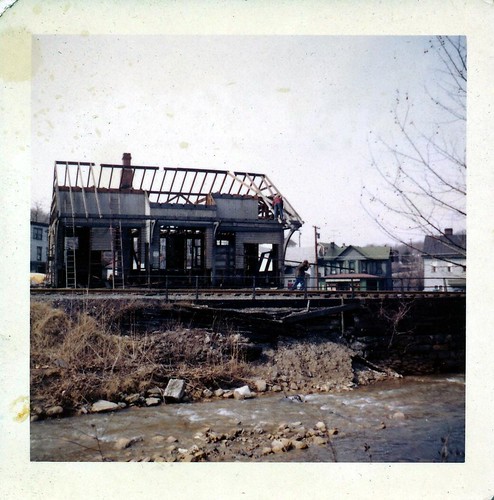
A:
[423,170]
[38,214]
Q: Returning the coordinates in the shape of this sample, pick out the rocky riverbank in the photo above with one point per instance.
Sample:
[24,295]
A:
[82,361]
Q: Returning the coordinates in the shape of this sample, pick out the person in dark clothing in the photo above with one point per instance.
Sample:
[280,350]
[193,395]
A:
[278,207]
[300,275]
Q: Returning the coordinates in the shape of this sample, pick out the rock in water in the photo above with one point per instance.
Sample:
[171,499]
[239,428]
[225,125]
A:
[242,393]
[174,391]
[296,398]
[54,411]
[103,405]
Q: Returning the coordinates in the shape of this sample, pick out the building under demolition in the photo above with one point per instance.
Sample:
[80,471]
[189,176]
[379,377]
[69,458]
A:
[125,225]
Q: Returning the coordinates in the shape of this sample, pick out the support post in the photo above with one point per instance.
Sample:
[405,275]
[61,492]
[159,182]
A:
[316,236]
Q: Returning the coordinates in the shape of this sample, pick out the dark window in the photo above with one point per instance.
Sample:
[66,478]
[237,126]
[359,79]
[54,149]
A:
[194,253]
[37,233]
[39,254]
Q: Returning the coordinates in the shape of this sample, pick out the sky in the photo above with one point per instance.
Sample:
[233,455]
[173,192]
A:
[301,109]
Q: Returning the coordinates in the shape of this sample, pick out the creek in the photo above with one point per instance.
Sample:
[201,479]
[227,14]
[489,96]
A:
[402,420]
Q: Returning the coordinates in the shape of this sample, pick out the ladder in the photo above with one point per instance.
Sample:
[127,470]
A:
[118,280]
[51,255]
[70,259]
[70,244]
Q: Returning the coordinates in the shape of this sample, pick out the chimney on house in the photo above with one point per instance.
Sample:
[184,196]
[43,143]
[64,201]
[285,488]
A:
[126,159]
[448,231]
[127,173]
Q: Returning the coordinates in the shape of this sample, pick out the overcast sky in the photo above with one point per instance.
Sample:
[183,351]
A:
[300,109]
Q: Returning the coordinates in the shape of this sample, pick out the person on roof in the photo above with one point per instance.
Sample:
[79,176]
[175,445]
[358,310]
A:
[278,207]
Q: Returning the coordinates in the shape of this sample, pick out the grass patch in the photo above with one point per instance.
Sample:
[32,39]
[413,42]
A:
[80,355]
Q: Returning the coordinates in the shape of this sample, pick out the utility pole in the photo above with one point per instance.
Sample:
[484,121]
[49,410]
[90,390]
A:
[316,237]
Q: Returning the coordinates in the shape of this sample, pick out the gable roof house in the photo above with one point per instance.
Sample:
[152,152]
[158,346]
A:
[356,268]
[445,262]
[345,267]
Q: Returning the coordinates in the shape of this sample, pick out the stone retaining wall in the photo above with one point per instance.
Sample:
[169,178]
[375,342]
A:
[412,336]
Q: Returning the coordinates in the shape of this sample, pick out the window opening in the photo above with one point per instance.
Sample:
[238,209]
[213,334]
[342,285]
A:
[37,233]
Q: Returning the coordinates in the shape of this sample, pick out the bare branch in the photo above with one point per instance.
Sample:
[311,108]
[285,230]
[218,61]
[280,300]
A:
[423,170]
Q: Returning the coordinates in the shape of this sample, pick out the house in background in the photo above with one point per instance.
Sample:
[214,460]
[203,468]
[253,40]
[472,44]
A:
[39,247]
[343,267]
[445,262]
[408,267]
[356,268]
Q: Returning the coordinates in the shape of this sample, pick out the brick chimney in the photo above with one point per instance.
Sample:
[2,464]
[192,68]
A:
[448,231]
[127,172]
[126,159]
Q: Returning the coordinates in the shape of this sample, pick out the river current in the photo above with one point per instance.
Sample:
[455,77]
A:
[414,419]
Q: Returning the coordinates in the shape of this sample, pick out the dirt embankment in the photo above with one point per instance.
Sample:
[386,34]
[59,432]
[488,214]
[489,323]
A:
[81,356]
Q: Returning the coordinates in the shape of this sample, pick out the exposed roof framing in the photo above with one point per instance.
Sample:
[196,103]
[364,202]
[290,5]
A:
[168,185]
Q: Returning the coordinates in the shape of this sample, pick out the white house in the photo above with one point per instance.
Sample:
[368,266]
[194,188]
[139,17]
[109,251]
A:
[445,262]
[39,247]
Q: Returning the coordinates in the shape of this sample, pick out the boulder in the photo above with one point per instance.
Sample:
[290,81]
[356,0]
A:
[320,440]
[54,411]
[399,415]
[281,445]
[321,426]
[152,401]
[123,443]
[242,393]
[155,392]
[207,393]
[260,385]
[299,445]
[218,393]
[102,405]
[174,391]
[132,398]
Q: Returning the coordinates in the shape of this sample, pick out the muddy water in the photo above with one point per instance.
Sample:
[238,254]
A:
[395,421]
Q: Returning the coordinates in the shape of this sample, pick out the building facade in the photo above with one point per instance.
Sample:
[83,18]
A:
[356,268]
[39,247]
[124,225]
[343,267]
[445,262]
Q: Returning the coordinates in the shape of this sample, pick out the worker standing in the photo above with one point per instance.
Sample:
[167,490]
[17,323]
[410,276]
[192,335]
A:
[278,207]
[300,275]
